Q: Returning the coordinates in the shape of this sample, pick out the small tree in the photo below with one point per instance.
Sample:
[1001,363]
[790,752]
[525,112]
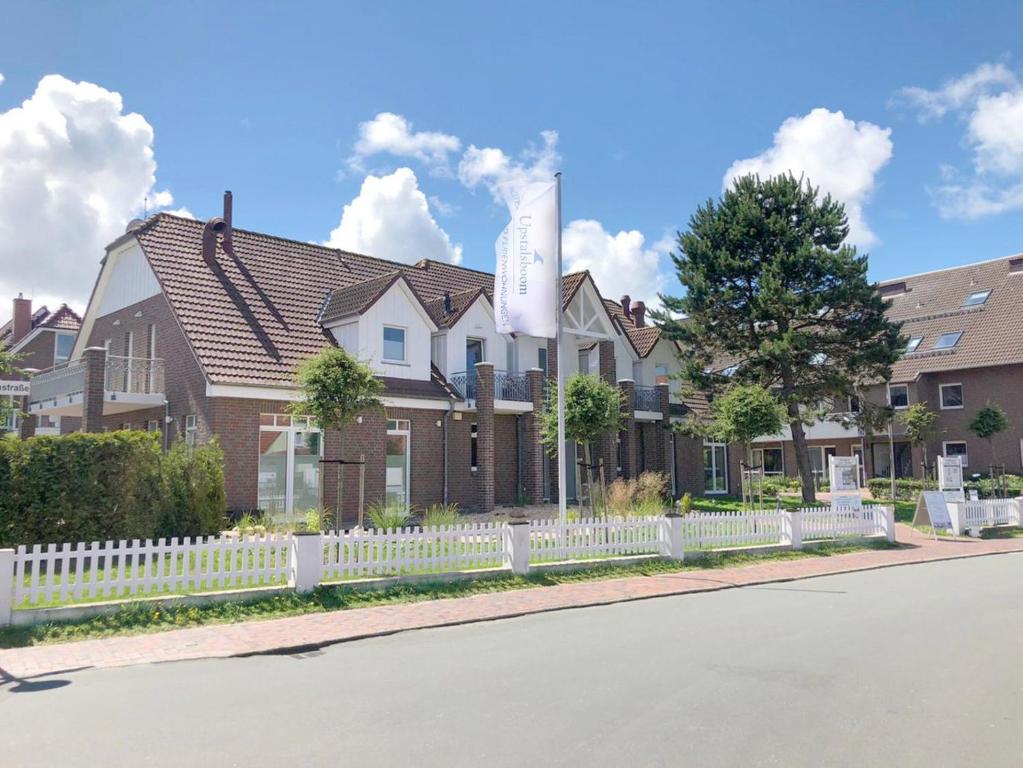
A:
[336,388]
[920,428]
[742,414]
[989,421]
[592,411]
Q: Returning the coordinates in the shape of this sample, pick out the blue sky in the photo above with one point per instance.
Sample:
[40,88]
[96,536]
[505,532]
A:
[651,107]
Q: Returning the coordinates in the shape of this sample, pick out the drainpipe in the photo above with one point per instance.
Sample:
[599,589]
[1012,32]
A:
[447,418]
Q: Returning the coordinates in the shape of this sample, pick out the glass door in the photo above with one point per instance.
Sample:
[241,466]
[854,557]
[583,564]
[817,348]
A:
[289,465]
[397,462]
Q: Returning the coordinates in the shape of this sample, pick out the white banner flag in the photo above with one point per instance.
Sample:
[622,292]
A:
[526,277]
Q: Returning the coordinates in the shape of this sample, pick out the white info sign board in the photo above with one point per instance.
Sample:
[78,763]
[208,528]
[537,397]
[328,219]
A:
[932,508]
[844,478]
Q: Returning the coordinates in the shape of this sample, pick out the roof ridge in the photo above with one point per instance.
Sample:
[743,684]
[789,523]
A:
[891,280]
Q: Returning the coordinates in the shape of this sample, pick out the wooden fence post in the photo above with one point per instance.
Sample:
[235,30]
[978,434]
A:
[518,546]
[306,565]
[6,586]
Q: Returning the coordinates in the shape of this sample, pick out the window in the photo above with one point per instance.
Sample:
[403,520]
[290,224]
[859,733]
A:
[956,448]
[584,361]
[637,373]
[288,472]
[819,459]
[152,425]
[474,433]
[394,344]
[660,374]
[898,395]
[854,404]
[11,424]
[190,430]
[951,396]
[64,344]
[151,342]
[715,468]
[541,359]
[977,298]
[398,462]
[947,340]
[770,461]
[914,342]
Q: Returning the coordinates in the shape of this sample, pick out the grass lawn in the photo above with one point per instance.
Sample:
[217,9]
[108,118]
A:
[143,618]
[903,509]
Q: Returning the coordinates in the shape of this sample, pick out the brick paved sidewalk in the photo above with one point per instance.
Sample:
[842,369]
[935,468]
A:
[312,630]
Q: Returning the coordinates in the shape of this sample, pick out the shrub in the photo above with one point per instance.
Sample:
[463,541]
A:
[776,485]
[651,491]
[118,485]
[441,514]
[906,489]
[389,514]
[685,504]
[621,495]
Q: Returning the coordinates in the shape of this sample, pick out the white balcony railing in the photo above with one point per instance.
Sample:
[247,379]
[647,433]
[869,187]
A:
[136,375]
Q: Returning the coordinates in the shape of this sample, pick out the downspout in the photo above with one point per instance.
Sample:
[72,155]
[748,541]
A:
[447,418]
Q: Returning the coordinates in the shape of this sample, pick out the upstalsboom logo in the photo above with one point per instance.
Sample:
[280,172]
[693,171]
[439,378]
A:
[526,252]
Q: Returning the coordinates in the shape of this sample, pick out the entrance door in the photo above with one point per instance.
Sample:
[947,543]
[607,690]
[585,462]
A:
[473,355]
[398,462]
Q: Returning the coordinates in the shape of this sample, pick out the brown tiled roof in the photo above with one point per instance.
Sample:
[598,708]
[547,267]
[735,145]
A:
[64,319]
[460,302]
[356,298]
[932,304]
[643,338]
[252,315]
[436,388]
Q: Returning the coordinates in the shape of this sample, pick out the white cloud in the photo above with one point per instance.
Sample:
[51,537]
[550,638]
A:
[74,168]
[840,156]
[390,219]
[620,264]
[2,78]
[493,168]
[959,92]
[991,100]
[392,134]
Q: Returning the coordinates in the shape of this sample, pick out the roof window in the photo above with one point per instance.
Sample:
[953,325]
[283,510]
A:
[913,343]
[977,298]
[947,340]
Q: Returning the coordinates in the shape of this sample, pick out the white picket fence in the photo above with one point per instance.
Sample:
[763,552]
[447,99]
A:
[43,577]
[595,538]
[715,530]
[826,523]
[985,513]
[361,553]
[113,570]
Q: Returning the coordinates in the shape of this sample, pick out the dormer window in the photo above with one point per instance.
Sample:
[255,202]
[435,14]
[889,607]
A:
[947,340]
[394,344]
[977,298]
[913,343]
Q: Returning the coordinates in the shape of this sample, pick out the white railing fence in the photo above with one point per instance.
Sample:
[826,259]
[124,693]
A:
[57,575]
[394,552]
[114,570]
[595,538]
[987,513]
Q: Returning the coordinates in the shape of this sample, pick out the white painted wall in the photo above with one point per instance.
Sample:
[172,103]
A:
[478,323]
[397,307]
[130,280]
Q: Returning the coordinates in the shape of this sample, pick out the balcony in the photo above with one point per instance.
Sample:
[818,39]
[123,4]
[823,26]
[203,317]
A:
[648,399]
[129,383]
[512,387]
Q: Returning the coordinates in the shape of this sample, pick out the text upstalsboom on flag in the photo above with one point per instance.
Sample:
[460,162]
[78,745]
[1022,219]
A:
[525,280]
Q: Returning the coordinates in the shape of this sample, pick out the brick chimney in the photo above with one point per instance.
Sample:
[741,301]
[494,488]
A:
[22,319]
[639,314]
[627,306]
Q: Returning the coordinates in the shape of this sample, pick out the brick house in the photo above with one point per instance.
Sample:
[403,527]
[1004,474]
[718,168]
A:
[196,329]
[41,339]
[965,350]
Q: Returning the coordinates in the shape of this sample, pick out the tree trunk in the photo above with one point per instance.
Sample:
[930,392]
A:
[802,453]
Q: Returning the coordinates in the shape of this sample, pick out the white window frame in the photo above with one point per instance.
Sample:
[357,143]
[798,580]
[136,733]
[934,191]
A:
[291,426]
[941,397]
[714,466]
[986,293]
[191,429]
[911,347]
[403,427]
[404,344]
[761,461]
[666,375]
[898,386]
[958,336]
[541,359]
[57,360]
[824,459]
[153,425]
[964,458]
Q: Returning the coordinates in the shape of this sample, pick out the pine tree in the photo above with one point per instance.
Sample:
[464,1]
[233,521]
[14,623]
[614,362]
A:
[774,297]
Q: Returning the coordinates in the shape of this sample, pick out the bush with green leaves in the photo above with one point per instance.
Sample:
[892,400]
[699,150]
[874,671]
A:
[117,485]
[437,515]
[388,514]
[906,489]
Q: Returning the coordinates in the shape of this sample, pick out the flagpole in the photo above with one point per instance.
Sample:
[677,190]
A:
[562,497]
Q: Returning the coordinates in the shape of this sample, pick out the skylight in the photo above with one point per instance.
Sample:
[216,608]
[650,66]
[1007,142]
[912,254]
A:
[913,344]
[947,340]
[977,298]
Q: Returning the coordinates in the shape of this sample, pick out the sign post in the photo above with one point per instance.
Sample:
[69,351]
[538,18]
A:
[844,479]
[941,509]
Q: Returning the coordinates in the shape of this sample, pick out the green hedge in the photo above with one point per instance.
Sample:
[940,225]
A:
[905,489]
[117,485]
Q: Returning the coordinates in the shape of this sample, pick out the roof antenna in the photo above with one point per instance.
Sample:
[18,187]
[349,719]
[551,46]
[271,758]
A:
[145,206]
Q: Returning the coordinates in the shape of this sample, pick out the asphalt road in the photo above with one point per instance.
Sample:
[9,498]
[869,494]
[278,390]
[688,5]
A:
[911,666]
